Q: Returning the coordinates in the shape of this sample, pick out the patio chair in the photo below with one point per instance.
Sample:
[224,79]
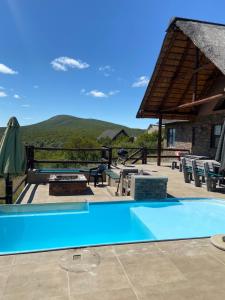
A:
[187,169]
[212,178]
[193,169]
[96,174]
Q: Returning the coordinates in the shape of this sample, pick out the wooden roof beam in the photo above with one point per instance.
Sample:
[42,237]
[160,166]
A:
[196,103]
[184,54]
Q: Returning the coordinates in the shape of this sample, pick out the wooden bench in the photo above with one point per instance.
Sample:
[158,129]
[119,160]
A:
[112,177]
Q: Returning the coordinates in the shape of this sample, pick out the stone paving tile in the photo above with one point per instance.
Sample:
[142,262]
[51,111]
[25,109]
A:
[137,249]
[6,260]
[106,277]
[202,271]
[204,263]
[30,296]
[104,251]
[37,280]
[150,270]
[121,294]
[39,257]
[148,293]
[4,275]
[189,247]
[216,253]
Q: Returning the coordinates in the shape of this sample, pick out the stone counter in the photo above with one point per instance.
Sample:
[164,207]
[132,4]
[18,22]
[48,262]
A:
[144,187]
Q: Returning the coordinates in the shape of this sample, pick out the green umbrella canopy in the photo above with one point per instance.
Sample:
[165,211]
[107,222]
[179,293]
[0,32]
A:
[12,150]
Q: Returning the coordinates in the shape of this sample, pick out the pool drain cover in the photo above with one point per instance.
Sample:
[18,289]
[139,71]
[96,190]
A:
[79,260]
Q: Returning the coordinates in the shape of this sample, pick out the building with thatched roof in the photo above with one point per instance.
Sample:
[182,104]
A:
[113,134]
[188,84]
[152,128]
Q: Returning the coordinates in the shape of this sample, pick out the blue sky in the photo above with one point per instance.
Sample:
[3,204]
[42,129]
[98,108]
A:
[87,58]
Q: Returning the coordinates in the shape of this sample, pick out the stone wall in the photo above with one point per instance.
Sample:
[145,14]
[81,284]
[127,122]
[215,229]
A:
[148,187]
[203,130]
[183,135]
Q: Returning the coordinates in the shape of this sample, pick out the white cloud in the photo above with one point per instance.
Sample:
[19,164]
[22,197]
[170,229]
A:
[16,96]
[111,93]
[107,70]
[25,105]
[2,94]
[97,94]
[141,81]
[6,70]
[63,63]
[36,86]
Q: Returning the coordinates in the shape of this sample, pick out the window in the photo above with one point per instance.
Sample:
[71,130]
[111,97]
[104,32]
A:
[215,135]
[171,137]
[193,135]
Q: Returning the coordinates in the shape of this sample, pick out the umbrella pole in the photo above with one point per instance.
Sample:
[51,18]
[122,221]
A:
[8,190]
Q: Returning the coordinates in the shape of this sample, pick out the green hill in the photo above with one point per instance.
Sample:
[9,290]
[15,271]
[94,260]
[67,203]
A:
[58,130]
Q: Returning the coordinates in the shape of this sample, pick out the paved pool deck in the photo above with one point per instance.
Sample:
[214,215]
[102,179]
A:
[176,188]
[171,270]
[188,269]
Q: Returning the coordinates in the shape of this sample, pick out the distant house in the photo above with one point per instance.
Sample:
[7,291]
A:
[152,128]
[113,134]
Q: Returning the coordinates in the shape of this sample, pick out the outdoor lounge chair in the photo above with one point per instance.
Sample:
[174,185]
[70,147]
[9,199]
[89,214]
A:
[97,174]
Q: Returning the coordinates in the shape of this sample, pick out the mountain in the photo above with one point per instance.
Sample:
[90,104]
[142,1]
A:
[58,129]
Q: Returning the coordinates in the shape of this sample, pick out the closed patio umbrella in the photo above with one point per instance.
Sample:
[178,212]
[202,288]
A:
[12,152]
[220,152]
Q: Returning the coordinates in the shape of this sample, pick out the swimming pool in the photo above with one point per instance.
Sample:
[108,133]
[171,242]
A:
[30,228]
[49,171]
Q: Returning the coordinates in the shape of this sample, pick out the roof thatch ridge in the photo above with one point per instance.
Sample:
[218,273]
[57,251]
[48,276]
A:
[208,37]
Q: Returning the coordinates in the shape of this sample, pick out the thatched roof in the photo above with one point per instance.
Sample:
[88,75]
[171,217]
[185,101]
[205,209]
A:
[112,134]
[209,38]
[174,78]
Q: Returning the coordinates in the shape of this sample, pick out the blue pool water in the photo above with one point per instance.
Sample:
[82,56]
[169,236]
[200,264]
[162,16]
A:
[27,228]
[60,171]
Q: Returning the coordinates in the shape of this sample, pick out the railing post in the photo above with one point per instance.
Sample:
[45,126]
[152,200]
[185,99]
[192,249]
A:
[144,155]
[8,190]
[30,157]
[109,157]
[159,141]
[103,152]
